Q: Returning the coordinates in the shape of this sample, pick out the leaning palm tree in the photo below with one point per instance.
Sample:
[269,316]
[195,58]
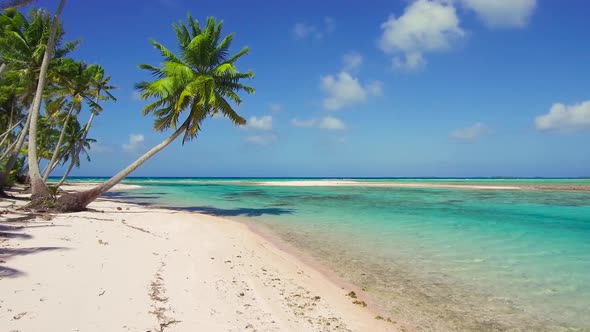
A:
[101,85]
[77,87]
[25,45]
[76,143]
[186,89]
[14,3]
[39,190]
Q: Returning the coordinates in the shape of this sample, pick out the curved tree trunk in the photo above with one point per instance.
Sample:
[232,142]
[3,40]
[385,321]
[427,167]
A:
[79,201]
[53,160]
[8,150]
[7,133]
[14,152]
[65,176]
[39,190]
[76,156]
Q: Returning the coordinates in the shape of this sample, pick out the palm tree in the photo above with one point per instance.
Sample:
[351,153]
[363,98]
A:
[101,84]
[23,43]
[11,6]
[39,190]
[76,143]
[78,88]
[201,82]
[14,3]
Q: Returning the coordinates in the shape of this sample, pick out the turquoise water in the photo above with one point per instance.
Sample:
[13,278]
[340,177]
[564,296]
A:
[446,259]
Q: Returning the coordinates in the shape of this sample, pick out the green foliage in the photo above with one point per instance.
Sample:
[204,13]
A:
[22,44]
[202,81]
[71,86]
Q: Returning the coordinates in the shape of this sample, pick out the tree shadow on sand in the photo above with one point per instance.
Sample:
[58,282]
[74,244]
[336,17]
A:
[7,272]
[6,253]
[236,212]
[6,235]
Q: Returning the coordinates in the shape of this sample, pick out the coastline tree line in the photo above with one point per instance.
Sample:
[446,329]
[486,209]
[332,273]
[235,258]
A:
[43,91]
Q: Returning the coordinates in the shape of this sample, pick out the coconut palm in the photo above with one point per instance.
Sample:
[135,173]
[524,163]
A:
[75,144]
[202,81]
[77,87]
[14,3]
[101,85]
[39,190]
[23,44]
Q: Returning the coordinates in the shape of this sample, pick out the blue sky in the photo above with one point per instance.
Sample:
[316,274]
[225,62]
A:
[357,88]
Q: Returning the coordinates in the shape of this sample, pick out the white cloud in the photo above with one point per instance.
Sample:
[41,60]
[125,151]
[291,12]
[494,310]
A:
[265,139]
[375,88]
[502,13]
[344,90]
[98,147]
[352,61]
[303,30]
[470,133]
[135,143]
[425,26]
[410,61]
[262,123]
[565,117]
[136,96]
[303,123]
[332,123]
[275,107]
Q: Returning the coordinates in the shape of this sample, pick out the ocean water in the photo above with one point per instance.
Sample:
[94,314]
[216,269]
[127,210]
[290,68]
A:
[444,259]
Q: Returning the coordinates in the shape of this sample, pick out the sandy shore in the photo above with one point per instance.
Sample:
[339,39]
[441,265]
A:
[125,267]
[393,184]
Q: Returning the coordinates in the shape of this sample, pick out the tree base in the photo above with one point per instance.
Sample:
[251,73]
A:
[71,203]
[41,204]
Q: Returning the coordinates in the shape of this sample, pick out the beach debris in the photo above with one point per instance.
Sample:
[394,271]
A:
[160,301]
[119,208]
[102,293]
[360,303]
[19,316]
[379,318]
[352,295]
[104,243]
[317,298]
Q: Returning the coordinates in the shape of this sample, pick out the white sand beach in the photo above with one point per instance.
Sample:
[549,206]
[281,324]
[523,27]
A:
[124,267]
[354,183]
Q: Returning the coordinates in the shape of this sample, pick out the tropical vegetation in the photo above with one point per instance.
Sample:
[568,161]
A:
[44,93]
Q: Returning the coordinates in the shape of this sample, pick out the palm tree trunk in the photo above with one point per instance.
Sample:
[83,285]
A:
[14,152]
[39,190]
[79,201]
[7,133]
[2,69]
[8,150]
[53,160]
[78,150]
[65,176]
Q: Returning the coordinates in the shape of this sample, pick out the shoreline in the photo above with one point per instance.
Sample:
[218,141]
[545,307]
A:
[432,185]
[361,183]
[307,298]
